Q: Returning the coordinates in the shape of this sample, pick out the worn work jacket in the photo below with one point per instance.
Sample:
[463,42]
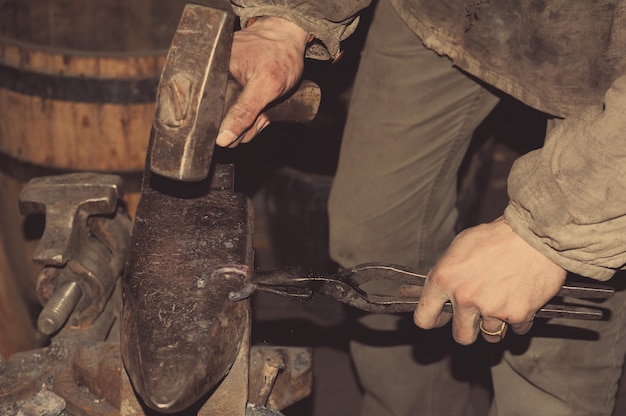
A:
[565,58]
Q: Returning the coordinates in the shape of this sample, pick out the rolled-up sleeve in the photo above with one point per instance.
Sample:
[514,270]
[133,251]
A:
[568,199]
[329,22]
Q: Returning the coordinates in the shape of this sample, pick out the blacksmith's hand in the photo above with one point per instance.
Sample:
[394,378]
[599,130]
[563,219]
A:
[267,59]
[494,280]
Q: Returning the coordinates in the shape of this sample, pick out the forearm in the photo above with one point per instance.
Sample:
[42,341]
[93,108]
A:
[329,22]
[568,199]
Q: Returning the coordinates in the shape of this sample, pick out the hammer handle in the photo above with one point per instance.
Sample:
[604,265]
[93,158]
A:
[298,107]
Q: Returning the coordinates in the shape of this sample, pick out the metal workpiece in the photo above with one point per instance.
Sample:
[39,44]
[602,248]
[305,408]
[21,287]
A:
[83,247]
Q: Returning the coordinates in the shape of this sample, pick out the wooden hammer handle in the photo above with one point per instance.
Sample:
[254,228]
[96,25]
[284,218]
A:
[298,107]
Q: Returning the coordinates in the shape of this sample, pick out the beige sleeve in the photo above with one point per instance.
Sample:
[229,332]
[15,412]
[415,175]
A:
[568,199]
[329,22]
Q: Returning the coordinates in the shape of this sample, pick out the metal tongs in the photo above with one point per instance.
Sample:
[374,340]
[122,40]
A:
[346,287]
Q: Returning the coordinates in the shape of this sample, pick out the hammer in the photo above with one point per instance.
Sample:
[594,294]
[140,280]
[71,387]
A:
[194,92]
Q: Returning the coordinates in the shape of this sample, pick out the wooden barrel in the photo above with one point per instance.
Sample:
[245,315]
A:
[77,88]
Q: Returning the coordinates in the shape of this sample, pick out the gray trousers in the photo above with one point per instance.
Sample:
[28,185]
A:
[410,122]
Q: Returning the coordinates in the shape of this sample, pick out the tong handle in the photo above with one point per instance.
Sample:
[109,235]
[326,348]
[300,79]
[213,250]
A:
[585,291]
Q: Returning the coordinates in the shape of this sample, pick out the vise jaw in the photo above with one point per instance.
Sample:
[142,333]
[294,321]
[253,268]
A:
[83,247]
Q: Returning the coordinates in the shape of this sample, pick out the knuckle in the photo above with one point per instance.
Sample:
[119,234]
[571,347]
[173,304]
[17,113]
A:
[420,320]
[464,300]
[243,113]
[518,315]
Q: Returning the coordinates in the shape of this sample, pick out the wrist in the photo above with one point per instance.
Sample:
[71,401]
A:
[282,26]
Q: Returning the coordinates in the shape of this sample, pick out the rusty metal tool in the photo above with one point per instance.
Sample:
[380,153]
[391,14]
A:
[347,287]
[83,250]
[83,247]
[192,238]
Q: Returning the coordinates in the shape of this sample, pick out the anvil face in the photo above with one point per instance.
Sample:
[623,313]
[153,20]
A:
[180,332]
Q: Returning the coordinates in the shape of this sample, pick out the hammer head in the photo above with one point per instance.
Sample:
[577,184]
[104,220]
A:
[191,93]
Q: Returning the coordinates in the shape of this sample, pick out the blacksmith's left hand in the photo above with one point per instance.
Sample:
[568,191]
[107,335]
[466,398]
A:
[494,280]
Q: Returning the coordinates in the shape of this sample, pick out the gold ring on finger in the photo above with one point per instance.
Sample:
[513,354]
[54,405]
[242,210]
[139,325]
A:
[499,333]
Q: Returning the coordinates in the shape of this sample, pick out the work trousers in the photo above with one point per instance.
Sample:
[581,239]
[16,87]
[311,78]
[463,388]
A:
[411,118]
